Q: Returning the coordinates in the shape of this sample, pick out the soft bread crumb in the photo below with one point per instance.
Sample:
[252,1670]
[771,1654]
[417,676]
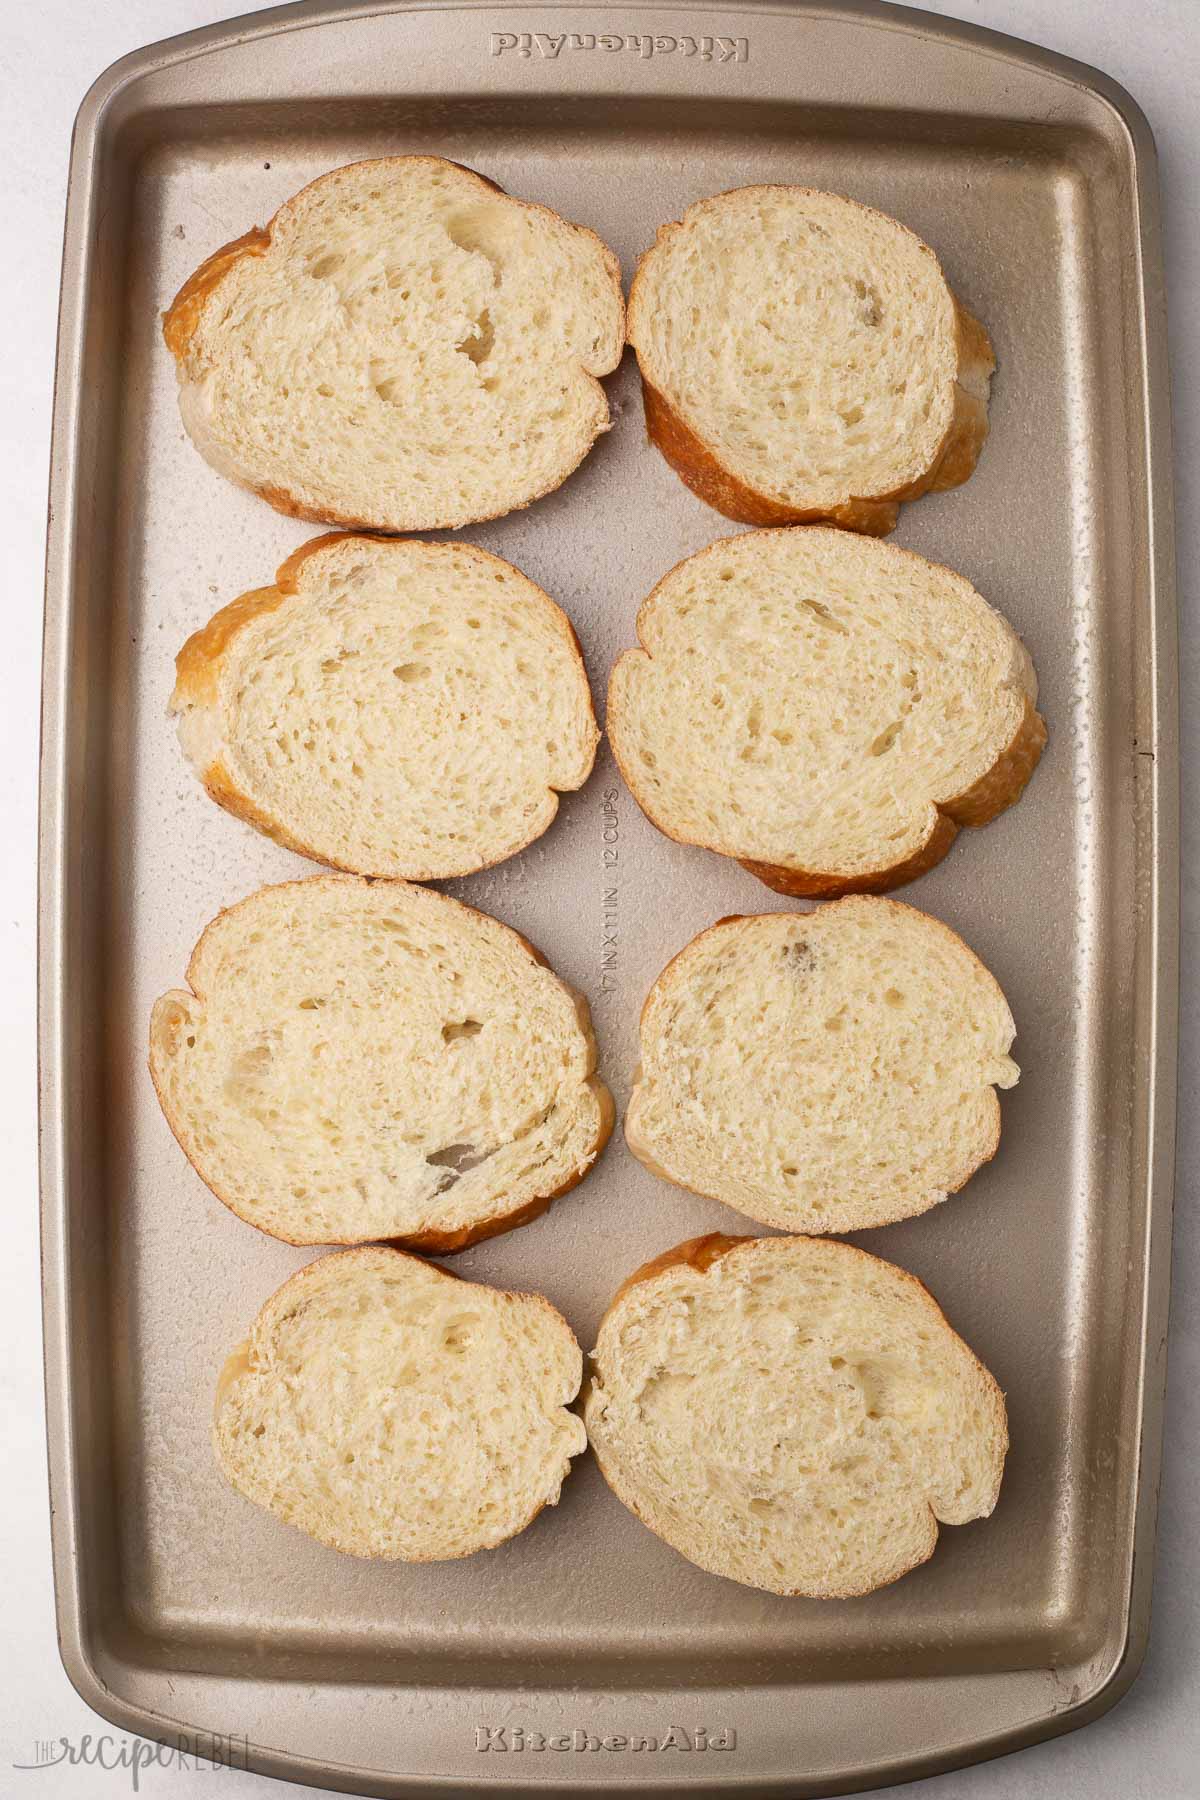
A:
[803,358]
[392,708]
[389,1410]
[358,1060]
[821,705]
[792,1413]
[825,1071]
[404,347]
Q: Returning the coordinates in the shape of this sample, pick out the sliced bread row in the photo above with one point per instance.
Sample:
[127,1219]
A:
[791,1413]
[405,347]
[823,707]
[355,1061]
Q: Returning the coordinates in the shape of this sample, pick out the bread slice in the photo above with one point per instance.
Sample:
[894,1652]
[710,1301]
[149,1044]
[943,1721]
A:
[803,359]
[402,347]
[826,708]
[390,707]
[357,1060]
[391,1410]
[824,1071]
[792,1413]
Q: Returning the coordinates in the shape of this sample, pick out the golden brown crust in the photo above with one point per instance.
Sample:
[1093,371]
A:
[286,503]
[182,317]
[968,428]
[239,1362]
[197,665]
[700,1254]
[220,786]
[992,794]
[853,1222]
[999,788]
[806,884]
[701,469]
[430,1242]
[197,684]
[1006,780]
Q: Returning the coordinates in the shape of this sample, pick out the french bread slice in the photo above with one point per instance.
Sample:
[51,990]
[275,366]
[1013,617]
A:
[403,347]
[389,707]
[389,1409]
[803,359]
[792,1413]
[823,1071]
[824,707]
[358,1060]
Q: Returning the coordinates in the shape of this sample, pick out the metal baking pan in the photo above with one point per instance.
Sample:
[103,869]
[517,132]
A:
[183,1610]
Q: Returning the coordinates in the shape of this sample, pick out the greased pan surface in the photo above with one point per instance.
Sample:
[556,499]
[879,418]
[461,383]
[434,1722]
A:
[181,1608]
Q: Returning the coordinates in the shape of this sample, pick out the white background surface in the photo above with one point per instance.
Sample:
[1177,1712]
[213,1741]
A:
[50,51]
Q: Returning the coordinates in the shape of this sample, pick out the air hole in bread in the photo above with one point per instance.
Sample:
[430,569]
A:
[822,612]
[476,230]
[458,1158]
[390,388]
[883,743]
[461,1028]
[480,339]
[459,1334]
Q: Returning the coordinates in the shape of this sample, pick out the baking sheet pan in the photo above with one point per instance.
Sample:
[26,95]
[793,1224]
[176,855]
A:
[181,1607]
